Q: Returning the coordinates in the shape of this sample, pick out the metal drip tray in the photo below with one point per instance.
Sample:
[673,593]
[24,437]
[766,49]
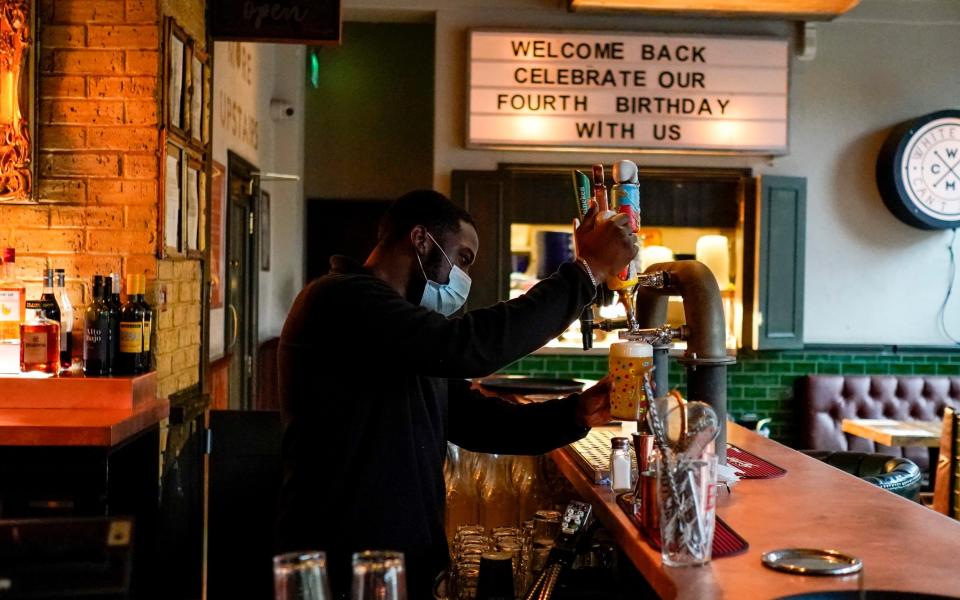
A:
[592,453]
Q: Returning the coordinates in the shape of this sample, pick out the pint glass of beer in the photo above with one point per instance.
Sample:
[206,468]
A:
[629,361]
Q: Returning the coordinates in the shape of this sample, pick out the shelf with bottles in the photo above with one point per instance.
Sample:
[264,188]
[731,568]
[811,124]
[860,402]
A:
[116,336]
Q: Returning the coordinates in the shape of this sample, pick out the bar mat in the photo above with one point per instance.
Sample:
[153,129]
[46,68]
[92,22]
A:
[751,465]
[726,541]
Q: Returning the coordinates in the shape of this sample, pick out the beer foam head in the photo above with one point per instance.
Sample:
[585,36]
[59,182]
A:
[631,350]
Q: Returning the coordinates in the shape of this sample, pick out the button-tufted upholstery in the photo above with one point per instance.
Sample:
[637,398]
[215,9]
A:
[828,399]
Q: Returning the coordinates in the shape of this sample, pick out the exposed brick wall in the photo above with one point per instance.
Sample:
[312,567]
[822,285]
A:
[764,382]
[98,167]
[177,300]
[98,147]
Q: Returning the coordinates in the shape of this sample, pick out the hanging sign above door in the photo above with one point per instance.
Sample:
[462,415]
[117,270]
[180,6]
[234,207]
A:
[276,21]
[565,91]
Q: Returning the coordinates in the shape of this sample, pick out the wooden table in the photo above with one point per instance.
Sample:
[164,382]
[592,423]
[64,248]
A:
[903,545]
[890,432]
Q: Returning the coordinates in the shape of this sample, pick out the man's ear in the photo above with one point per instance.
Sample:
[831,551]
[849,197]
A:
[420,240]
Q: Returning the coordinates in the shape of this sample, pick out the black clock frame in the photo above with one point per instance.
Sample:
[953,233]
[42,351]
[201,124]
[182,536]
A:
[890,181]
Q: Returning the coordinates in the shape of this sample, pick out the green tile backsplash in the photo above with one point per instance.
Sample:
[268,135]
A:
[764,382]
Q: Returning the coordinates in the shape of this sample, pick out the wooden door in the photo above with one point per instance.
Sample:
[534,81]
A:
[240,316]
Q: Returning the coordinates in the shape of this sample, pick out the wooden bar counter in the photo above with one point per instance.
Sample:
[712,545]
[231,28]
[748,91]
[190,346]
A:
[77,447]
[903,545]
[77,411]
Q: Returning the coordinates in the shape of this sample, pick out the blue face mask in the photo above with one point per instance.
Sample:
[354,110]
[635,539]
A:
[446,298]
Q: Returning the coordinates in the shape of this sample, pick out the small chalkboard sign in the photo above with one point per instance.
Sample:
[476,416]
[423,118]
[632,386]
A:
[276,21]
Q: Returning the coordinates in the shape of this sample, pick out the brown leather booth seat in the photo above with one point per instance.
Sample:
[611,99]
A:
[828,399]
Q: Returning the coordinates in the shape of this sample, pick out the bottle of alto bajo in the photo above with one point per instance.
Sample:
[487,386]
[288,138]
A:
[129,360]
[96,333]
[146,357]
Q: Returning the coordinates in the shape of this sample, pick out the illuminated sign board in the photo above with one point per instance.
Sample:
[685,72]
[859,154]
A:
[562,90]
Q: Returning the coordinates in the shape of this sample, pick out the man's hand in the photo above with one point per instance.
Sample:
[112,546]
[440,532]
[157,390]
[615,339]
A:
[593,409]
[607,244]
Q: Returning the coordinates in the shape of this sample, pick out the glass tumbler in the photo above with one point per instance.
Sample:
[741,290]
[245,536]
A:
[379,575]
[301,576]
[546,527]
[687,495]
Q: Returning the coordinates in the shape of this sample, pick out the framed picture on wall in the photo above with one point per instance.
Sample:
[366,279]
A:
[18,90]
[171,223]
[264,231]
[198,118]
[207,117]
[193,193]
[202,209]
[175,75]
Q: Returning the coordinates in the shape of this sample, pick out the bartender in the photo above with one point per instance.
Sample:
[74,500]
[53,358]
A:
[373,367]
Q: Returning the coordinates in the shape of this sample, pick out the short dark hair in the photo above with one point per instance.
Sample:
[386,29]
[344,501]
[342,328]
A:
[431,209]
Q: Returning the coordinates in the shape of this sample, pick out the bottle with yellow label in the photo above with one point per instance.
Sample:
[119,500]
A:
[13,299]
[146,357]
[129,358]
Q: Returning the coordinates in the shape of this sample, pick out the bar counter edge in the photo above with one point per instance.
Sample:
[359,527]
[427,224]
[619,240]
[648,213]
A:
[813,506]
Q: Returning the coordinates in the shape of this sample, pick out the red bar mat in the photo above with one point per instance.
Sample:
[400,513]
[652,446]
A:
[726,541]
[753,466]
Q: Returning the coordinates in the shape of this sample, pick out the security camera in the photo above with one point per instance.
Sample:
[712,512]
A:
[281,110]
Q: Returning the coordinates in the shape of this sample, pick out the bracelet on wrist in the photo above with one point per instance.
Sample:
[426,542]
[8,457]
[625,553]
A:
[586,269]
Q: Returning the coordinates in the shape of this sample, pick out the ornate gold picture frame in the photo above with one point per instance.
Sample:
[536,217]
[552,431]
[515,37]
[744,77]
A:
[17,92]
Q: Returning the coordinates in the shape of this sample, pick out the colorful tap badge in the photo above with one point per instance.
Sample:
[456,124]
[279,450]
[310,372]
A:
[582,192]
[626,197]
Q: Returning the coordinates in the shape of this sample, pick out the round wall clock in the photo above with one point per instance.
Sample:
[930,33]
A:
[918,171]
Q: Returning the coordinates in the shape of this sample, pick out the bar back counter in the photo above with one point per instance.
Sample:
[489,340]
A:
[75,447]
[904,546]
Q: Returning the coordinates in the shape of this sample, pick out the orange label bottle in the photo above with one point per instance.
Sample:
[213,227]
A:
[13,300]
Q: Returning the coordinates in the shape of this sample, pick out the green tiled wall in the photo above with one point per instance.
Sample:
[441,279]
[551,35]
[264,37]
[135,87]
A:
[764,382]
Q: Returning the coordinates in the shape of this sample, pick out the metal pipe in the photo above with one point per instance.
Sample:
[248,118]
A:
[706,357]
[661,371]
[702,306]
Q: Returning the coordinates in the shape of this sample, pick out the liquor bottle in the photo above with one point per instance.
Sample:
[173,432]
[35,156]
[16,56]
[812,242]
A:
[40,341]
[129,360]
[111,298]
[48,300]
[147,356]
[66,319]
[13,298]
[96,333]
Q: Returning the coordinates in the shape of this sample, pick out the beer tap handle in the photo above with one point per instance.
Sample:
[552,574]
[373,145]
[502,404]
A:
[586,327]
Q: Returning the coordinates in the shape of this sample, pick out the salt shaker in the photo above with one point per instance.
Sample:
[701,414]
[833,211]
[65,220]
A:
[620,464]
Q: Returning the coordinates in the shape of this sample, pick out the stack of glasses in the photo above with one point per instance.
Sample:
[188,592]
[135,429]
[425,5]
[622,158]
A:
[470,543]
[527,548]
